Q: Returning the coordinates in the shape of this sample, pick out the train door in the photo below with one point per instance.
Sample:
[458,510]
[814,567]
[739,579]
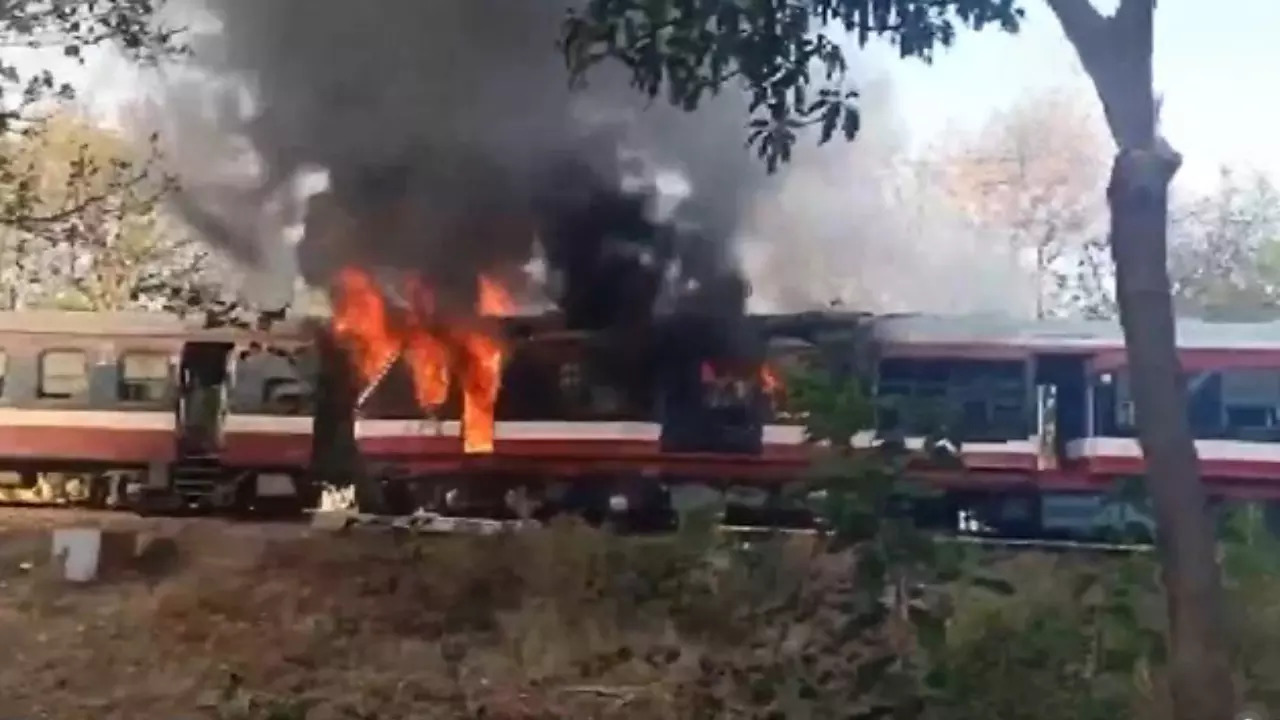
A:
[1062,404]
[202,406]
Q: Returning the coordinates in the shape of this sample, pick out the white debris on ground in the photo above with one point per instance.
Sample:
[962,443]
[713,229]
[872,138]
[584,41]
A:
[427,523]
[333,499]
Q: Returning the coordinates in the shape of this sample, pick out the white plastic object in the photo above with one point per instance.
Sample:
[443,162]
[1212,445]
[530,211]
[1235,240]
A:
[79,550]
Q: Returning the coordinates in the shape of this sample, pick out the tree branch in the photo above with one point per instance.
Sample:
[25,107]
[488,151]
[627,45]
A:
[1081,22]
[1131,13]
[1116,54]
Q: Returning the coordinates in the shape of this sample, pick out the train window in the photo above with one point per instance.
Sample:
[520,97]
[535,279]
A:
[1245,416]
[144,377]
[64,374]
[285,396]
[1251,386]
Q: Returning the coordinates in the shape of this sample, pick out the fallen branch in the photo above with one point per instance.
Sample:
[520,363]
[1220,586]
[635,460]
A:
[627,693]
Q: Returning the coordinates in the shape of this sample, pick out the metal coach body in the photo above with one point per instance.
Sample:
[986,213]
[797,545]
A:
[1046,419]
[105,399]
[221,417]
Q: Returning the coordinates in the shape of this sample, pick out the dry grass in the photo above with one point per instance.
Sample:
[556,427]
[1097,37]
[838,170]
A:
[559,623]
[240,622]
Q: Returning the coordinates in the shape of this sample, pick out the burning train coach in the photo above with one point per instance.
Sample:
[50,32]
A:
[507,413]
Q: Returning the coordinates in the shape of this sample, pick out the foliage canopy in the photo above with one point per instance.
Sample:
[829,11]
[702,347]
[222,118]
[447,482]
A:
[785,56]
[33,94]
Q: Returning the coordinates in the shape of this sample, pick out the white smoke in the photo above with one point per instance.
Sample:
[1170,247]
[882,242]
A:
[867,226]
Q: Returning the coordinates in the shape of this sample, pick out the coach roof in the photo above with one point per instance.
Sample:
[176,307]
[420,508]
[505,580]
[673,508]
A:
[1051,334]
[135,324]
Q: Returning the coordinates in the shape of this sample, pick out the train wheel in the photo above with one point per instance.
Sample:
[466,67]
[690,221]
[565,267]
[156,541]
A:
[650,510]
[152,502]
[278,507]
[398,497]
[586,500]
[371,496]
[273,503]
[309,492]
[99,490]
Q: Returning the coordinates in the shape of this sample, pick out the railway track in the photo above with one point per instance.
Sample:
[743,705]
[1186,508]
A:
[434,524]
[336,519]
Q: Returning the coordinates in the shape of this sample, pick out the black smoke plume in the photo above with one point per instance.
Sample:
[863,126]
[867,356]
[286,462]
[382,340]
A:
[453,143]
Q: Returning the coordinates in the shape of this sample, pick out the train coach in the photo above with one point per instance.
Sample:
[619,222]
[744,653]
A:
[150,409]
[1041,411]
[159,412]
[1047,419]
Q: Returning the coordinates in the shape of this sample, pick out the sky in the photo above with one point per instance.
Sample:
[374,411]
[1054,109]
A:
[1214,70]
[1211,67]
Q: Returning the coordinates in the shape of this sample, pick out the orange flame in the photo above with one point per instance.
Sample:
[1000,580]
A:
[432,349]
[426,354]
[361,322]
[769,380]
[774,389]
[494,300]
[738,382]
[483,365]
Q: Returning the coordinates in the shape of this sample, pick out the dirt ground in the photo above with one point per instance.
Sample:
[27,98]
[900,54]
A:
[133,645]
[240,621]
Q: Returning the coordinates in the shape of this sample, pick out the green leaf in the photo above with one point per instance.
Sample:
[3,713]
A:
[872,569]
[771,47]
[937,678]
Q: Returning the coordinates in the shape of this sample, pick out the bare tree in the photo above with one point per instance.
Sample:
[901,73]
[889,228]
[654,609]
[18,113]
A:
[104,241]
[47,31]
[868,225]
[1224,250]
[1034,174]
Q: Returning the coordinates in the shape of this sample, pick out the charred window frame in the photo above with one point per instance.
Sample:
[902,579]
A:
[63,374]
[272,380]
[144,376]
[286,396]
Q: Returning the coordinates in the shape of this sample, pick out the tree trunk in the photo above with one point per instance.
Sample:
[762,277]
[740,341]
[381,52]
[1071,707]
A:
[1117,53]
[335,457]
[1201,674]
